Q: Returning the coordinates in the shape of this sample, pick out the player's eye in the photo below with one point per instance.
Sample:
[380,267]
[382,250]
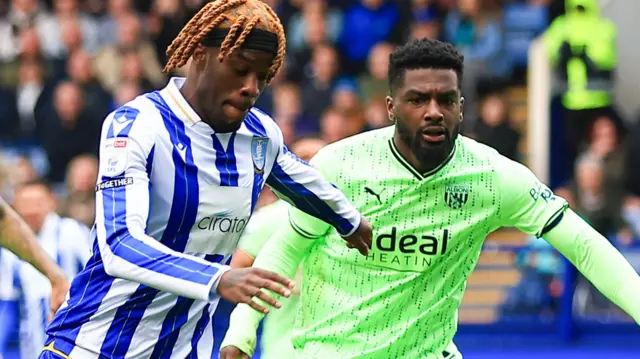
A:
[448,100]
[415,101]
[241,71]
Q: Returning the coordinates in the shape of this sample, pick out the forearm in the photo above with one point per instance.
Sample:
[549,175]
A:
[598,261]
[307,189]
[282,254]
[141,259]
[17,237]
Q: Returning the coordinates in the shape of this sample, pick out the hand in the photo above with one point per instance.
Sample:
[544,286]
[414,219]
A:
[59,289]
[241,285]
[361,238]
[231,352]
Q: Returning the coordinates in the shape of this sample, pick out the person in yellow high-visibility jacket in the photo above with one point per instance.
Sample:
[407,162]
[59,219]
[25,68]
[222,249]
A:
[582,47]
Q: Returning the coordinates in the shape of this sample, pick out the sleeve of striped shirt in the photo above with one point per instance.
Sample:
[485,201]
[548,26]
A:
[304,187]
[122,207]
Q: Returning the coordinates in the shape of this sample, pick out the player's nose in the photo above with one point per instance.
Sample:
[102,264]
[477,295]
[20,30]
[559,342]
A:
[250,87]
[432,112]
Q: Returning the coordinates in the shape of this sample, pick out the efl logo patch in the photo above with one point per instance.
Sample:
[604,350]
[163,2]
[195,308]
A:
[456,195]
[113,156]
[115,183]
[259,153]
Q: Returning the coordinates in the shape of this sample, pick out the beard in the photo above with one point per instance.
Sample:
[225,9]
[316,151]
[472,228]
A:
[430,155]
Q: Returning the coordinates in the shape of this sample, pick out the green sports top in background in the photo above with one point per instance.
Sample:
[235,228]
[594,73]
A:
[276,331]
[402,300]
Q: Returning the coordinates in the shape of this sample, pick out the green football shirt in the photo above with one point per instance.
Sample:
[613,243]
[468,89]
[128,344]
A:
[401,301]
[276,331]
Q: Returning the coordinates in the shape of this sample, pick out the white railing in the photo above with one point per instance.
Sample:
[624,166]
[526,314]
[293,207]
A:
[539,106]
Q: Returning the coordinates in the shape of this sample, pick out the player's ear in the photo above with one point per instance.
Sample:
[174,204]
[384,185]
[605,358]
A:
[461,108]
[391,109]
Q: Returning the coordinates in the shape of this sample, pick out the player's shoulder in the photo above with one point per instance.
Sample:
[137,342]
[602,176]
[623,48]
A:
[366,142]
[141,116]
[262,123]
[487,159]
[476,152]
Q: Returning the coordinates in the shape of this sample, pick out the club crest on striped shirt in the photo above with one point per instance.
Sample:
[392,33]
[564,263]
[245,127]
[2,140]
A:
[259,153]
[456,195]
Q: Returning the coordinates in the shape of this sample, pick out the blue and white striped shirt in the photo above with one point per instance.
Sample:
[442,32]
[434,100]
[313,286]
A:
[65,240]
[172,201]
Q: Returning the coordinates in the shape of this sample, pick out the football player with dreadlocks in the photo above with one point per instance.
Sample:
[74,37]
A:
[180,174]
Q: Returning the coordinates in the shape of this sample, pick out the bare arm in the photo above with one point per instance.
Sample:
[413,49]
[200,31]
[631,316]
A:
[16,236]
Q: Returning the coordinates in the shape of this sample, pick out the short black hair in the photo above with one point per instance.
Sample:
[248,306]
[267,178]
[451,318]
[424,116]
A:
[423,54]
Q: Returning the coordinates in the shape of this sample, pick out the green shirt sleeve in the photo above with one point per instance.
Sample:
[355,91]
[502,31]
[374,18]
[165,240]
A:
[262,225]
[525,202]
[596,258]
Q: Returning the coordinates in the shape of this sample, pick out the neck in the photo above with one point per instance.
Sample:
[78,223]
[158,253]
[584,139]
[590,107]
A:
[407,154]
[189,91]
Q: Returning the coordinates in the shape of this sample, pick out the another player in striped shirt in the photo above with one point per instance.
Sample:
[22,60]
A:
[180,173]
[27,297]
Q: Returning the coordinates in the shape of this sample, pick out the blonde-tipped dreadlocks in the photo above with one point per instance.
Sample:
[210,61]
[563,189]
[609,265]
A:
[235,15]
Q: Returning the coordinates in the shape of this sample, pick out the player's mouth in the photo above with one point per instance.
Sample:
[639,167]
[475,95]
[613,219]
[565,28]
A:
[235,111]
[434,134]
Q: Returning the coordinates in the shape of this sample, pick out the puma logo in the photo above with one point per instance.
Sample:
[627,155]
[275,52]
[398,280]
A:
[371,192]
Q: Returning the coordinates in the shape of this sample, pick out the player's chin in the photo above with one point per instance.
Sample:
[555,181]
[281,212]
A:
[233,118]
[234,115]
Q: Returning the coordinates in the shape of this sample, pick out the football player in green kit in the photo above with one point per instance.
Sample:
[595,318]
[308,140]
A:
[432,197]
[264,223]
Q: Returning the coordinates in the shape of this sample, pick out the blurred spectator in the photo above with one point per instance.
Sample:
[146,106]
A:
[524,20]
[69,129]
[76,29]
[366,23]
[313,12]
[109,62]
[633,162]
[131,70]
[346,100]
[31,93]
[82,175]
[317,90]
[476,31]
[29,50]
[588,197]
[22,15]
[107,18]
[374,83]
[127,91]
[165,22]
[288,113]
[582,46]
[494,128]
[375,112]
[80,71]
[333,126]
[424,27]
[22,172]
[606,144]
[537,292]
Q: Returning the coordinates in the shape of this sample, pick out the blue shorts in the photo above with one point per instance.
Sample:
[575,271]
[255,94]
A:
[49,352]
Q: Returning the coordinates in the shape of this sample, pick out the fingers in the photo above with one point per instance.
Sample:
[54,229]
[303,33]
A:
[231,352]
[274,277]
[256,306]
[269,300]
[270,285]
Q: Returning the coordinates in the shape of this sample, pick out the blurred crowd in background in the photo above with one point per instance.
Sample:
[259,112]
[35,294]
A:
[65,64]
